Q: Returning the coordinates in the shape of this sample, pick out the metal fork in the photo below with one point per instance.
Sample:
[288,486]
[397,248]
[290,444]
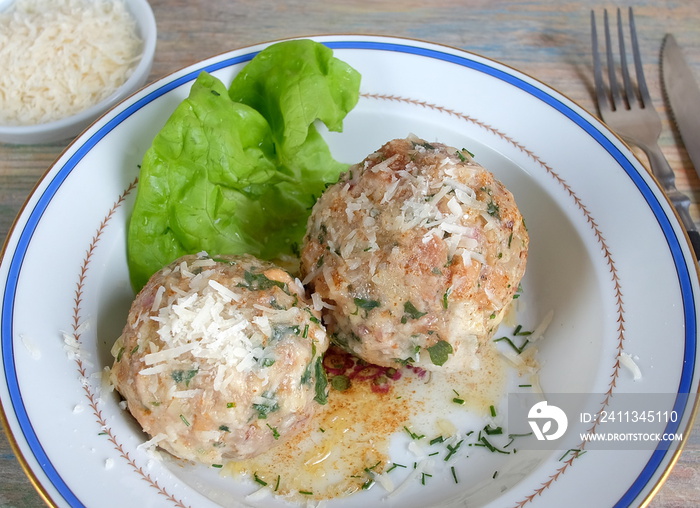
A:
[630,113]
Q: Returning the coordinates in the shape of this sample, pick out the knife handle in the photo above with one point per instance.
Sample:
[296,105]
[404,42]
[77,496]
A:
[664,174]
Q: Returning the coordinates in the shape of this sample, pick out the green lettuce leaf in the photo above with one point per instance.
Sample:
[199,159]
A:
[237,171]
[293,83]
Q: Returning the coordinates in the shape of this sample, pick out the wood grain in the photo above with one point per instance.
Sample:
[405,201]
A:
[547,39]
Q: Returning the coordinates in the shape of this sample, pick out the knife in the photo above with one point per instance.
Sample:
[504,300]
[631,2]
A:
[683,95]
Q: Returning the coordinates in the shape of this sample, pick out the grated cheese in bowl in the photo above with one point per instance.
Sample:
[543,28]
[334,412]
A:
[62,58]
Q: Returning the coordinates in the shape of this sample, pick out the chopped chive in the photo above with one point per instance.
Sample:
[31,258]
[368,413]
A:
[219,466]
[312,318]
[519,331]
[277,485]
[491,447]
[423,476]
[413,434]
[436,440]
[184,420]
[492,431]
[454,474]
[457,400]
[259,480]
[525,386]
[453,450]
[394,466]
[484,442]
[371,468]
[445,298]
[229,405]
[493,411]
[306,492]
[575,451]
[518,292]
[495,474]
[512,438]
[275,434]
[512,344]
[306,331]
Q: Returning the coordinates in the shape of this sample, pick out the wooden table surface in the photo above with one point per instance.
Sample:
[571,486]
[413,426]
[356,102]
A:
[547,39]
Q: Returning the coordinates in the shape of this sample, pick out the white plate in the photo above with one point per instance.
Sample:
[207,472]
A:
[607,255]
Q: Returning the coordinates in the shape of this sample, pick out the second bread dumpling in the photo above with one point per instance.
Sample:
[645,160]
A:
[417,252]
[221,358]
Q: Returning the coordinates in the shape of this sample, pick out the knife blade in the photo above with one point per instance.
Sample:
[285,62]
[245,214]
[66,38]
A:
[683,95]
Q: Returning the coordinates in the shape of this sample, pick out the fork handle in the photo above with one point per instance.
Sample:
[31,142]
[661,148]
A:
[664,174]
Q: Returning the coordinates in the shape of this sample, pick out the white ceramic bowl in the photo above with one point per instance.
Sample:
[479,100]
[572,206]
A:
[71,126]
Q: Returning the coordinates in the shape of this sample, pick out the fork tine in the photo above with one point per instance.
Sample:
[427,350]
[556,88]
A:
[641,81]
[629,94]
[612,75]
[601,95]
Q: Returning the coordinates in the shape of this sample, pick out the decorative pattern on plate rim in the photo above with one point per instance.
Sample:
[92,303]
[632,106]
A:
[93,398]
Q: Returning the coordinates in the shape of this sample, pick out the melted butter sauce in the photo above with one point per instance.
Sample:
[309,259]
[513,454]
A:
[329,459]
[348,444]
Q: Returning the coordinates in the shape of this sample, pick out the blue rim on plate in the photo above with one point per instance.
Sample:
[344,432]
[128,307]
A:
[684,273]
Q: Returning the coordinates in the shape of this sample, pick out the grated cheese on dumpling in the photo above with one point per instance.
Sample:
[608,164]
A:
[417,249]
[222,356]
